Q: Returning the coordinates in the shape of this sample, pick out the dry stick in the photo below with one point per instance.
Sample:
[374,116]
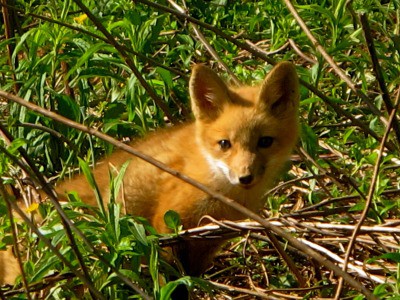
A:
[357,267]
[370,196]
[378,71]
[266,53]
[231,228]
[159,102]
[293,241]
[229,288]
[3,194]
[70,225]
[262,55]
[47,282]
[53,132]
[300,53]
[207,45]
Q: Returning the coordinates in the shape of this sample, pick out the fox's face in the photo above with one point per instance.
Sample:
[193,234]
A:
[246,134]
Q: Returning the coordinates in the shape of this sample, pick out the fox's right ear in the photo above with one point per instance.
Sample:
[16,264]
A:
[208,93]
[280,90]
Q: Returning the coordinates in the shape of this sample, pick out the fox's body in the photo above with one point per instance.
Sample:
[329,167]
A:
[239,141]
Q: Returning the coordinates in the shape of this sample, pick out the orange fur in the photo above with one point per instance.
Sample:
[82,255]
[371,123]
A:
[259,127]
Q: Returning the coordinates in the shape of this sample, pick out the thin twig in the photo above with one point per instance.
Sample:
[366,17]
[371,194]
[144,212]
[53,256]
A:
[47,282]
[9,35]
[286,258]
[255,46]
[229,288]
[307,158]
[300,53]
[359,270]
[341,112]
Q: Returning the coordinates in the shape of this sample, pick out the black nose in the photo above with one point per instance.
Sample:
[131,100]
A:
[246,179]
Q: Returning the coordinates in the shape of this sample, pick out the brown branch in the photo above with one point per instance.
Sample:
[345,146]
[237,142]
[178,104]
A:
[227,201]
[256,46]
[47,282]
[286,258]
[300,53]
[229,288]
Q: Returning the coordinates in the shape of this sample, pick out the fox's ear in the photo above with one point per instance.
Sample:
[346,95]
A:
[208,93]
[280,90]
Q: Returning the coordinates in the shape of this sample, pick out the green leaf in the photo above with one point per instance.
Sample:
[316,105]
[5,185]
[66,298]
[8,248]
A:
[15,144]
[309,140]
[172,220]
[153,268]
[118,180]
[85,57]
[134,17]
[67,107]
[92,182]
[166,76]
[395,256]
[139,232]
[166,290]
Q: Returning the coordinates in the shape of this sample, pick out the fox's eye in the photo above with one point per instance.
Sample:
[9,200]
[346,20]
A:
[224,144]
[265,141]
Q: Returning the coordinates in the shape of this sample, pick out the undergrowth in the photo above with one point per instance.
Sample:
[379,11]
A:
[345,172]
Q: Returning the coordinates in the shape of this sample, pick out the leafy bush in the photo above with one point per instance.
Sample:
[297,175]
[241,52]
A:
[122,67]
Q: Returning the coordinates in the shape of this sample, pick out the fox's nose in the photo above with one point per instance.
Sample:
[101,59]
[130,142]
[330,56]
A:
[246,179]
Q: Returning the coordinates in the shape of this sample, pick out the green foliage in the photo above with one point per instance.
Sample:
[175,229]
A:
[59,59]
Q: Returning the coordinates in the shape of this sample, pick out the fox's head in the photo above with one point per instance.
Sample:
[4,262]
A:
[246,133]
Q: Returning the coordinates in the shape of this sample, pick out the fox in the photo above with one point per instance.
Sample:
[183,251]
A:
[238,143]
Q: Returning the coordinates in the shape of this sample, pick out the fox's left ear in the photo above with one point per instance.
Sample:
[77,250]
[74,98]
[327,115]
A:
[208,93]
[280,90]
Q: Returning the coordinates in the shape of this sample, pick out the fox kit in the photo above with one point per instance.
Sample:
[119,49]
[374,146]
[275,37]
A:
[239,141]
